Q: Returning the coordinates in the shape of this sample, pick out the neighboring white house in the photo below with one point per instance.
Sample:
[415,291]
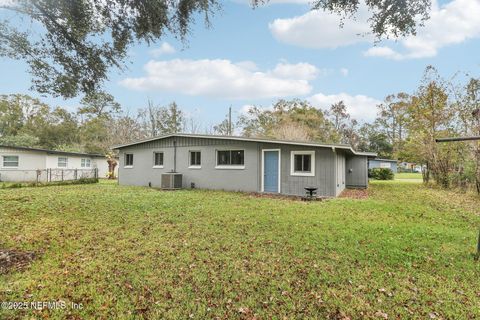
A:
[31,164]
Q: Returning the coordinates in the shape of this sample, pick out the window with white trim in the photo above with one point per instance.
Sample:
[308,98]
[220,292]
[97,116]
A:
[62,162]
[302,163]
[232,158]
[10,161]
[128,159]
[85,163]
[195,159]
[385,165]
[158,159]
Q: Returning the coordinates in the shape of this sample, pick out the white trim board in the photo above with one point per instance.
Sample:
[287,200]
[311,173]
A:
[312,163]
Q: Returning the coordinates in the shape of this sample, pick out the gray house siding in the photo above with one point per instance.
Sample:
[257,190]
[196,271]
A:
[382,163]
[330,166]
[208,177]
[356,172]
[324,178]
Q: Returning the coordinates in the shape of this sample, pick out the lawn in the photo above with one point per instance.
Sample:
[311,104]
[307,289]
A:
[408,175]
[132,252]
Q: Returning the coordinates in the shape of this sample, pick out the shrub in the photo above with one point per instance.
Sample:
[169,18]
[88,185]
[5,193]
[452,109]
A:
[46,184]
[381,173]
[13,185]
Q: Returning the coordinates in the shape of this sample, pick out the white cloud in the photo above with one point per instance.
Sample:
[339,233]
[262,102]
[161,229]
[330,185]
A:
[224,79]
[165,48]
[360,107]
[453,23]
[384,52]
[344,72]
[319,29]
[297,71]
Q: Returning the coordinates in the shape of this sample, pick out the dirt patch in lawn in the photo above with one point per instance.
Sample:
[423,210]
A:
[354,194]
[284,197]
[272,196]
[11,260]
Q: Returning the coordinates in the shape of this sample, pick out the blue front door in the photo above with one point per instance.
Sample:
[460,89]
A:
[270,171]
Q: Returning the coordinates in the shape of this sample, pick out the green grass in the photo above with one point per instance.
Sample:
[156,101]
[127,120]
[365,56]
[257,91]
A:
[132,252]
[407,175]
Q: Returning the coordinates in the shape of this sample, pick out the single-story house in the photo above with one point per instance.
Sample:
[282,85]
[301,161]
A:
[30,164]
[243,164]
[383,163]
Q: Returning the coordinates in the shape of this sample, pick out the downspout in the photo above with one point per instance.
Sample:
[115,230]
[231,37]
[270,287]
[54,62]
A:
[174,155]
[335,172]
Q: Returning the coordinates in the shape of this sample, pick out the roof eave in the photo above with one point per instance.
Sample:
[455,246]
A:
[319,145]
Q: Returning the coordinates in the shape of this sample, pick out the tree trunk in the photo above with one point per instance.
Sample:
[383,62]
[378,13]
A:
[477,169]
[426,173]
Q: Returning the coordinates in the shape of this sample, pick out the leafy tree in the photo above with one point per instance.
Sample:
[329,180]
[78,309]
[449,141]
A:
[22,140]
[58,128]
[19,113]
[392,119]
[125,128]
[345,127]
[373,140]
[79,41]
[95,135]
[172,119]
[339,116]
[429,118]
[26,121]
[468,107]
[388,17]
[71,46]
[99,104]
[158,120]
[288,120]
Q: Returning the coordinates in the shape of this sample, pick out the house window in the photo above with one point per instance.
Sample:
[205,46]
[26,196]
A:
[195,159]
[128,160]
[10,161]
[234,159]
[158,159]
[85,163]
[302,163]
[62,162]
[385,165]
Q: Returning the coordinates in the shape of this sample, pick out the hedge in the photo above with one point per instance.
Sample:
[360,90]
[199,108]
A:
[48,184]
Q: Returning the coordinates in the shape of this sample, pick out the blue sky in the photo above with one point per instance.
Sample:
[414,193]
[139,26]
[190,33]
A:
[283,50]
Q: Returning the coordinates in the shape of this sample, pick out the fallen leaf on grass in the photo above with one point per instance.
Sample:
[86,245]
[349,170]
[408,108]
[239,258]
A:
[380,314]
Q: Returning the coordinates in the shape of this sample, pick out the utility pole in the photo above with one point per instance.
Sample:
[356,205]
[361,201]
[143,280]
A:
[230,120]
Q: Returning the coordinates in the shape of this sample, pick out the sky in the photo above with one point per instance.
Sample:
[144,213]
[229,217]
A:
[282,50]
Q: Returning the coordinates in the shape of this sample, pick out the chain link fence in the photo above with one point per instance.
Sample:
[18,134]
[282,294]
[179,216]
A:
[46,175]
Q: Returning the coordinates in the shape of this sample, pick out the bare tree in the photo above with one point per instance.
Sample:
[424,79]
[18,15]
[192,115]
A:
[291,131]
